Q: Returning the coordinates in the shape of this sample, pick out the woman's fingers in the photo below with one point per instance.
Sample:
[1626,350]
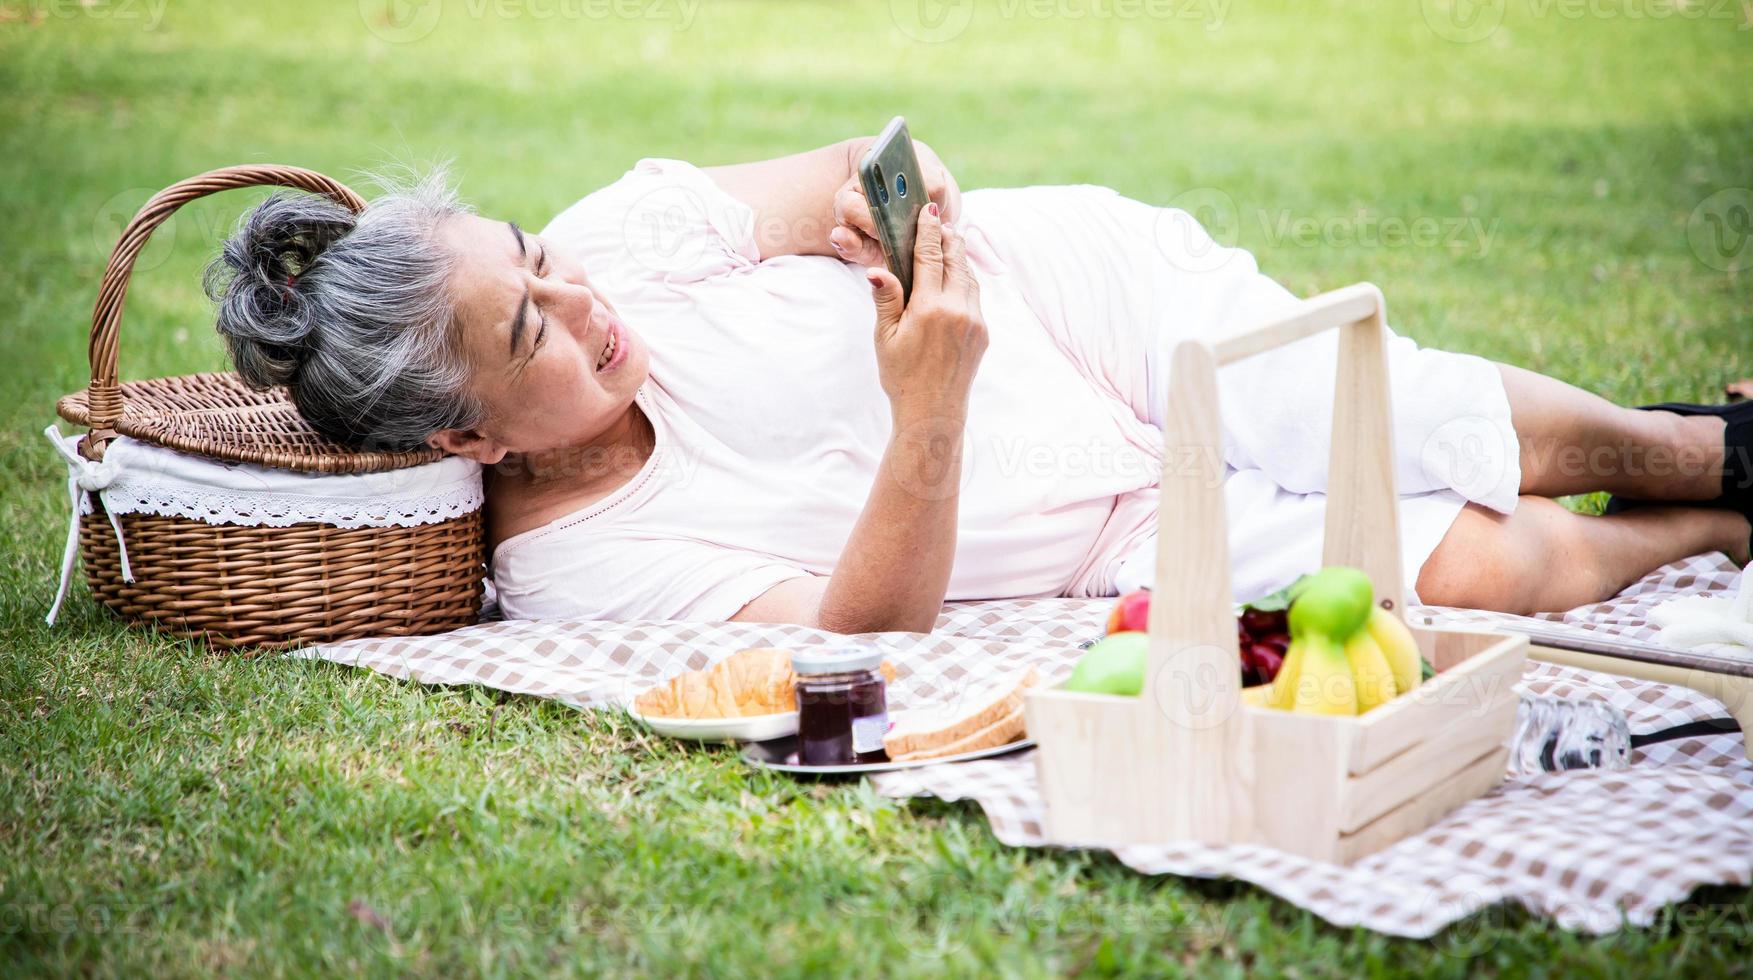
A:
[958,276]
[954,249]
[853,236]
[928,253]
[855,246]
[929,347]
[885,289]
[852,210]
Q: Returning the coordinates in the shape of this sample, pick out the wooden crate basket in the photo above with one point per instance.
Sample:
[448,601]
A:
[1187,759]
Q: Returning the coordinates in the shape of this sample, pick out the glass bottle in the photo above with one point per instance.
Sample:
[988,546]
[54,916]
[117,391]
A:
[842,705]
[1555,734]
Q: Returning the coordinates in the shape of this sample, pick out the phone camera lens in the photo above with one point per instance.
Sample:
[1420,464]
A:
[883,193]
[901,184]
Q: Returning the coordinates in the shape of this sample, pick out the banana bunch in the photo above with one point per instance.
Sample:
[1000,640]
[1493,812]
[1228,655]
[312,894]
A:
[1347,655]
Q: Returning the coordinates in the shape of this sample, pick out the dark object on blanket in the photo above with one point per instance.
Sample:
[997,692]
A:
[256,586]
[1737,416]
[1691,729]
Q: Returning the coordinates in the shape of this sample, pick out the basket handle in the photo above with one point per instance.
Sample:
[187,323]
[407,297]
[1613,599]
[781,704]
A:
[1192,628]
[105,394]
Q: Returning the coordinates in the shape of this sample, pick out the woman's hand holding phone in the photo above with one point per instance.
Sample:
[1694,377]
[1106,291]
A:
[894,571]
[928,347]
[854,236]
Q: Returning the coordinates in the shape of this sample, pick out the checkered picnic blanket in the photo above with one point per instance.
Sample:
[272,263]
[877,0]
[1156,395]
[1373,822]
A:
[1624,617]
[1593,850]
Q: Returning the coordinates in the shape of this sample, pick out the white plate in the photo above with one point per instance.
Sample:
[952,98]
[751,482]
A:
[755,728]
[781,754]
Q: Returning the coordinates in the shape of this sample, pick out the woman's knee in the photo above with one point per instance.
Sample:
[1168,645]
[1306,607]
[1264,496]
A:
[1481,563]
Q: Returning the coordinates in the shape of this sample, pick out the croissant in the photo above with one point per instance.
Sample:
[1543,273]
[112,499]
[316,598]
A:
[757,681]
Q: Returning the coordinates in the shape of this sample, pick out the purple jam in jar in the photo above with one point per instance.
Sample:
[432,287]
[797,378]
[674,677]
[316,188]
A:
[842,706]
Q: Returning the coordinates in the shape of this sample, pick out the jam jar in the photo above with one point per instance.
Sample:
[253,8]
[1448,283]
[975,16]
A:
[842,706]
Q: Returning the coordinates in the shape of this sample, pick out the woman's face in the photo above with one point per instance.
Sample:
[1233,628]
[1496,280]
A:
[552,363]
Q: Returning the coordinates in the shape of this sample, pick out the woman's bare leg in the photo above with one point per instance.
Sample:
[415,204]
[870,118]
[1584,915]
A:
[1576,442]
[1545,558]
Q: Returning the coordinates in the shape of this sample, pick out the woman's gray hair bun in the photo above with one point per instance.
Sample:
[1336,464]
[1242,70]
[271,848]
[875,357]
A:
[351,312]
[262,314]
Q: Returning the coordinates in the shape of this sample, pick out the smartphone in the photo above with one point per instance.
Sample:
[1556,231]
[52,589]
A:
[895,190]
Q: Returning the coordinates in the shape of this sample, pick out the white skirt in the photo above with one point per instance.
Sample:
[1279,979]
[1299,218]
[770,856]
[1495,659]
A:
[1124,282]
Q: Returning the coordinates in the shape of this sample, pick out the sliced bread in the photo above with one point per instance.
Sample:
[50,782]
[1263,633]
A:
[979,709]
[1001,732]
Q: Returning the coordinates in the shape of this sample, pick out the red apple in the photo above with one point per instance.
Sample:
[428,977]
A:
[1131,613]
[1267,661]
[1263,623]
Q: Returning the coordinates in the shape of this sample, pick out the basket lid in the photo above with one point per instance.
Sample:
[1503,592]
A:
[219,416]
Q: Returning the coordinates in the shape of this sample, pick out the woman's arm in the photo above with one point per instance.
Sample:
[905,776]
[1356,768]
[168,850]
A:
[895,567]
[800,200]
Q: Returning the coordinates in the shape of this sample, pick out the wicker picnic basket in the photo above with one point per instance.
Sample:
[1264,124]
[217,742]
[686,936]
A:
[235,585]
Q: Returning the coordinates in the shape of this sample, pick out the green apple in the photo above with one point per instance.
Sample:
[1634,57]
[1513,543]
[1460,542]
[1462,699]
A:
[1335,603]
[1112,665]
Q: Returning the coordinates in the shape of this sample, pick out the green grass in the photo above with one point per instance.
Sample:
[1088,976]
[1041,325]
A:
[166,809]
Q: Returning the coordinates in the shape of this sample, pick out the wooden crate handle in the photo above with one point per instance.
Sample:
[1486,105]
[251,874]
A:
[1192,675]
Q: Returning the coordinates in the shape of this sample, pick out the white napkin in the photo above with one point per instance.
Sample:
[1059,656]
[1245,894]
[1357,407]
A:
[1696,622]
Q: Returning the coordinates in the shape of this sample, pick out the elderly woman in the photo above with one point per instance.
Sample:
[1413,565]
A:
[699,395]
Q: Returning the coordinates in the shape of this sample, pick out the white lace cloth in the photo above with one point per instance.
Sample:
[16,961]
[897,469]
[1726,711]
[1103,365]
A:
[139,478]
[1715,624]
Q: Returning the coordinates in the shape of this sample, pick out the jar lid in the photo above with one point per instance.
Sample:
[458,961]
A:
[837,660]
